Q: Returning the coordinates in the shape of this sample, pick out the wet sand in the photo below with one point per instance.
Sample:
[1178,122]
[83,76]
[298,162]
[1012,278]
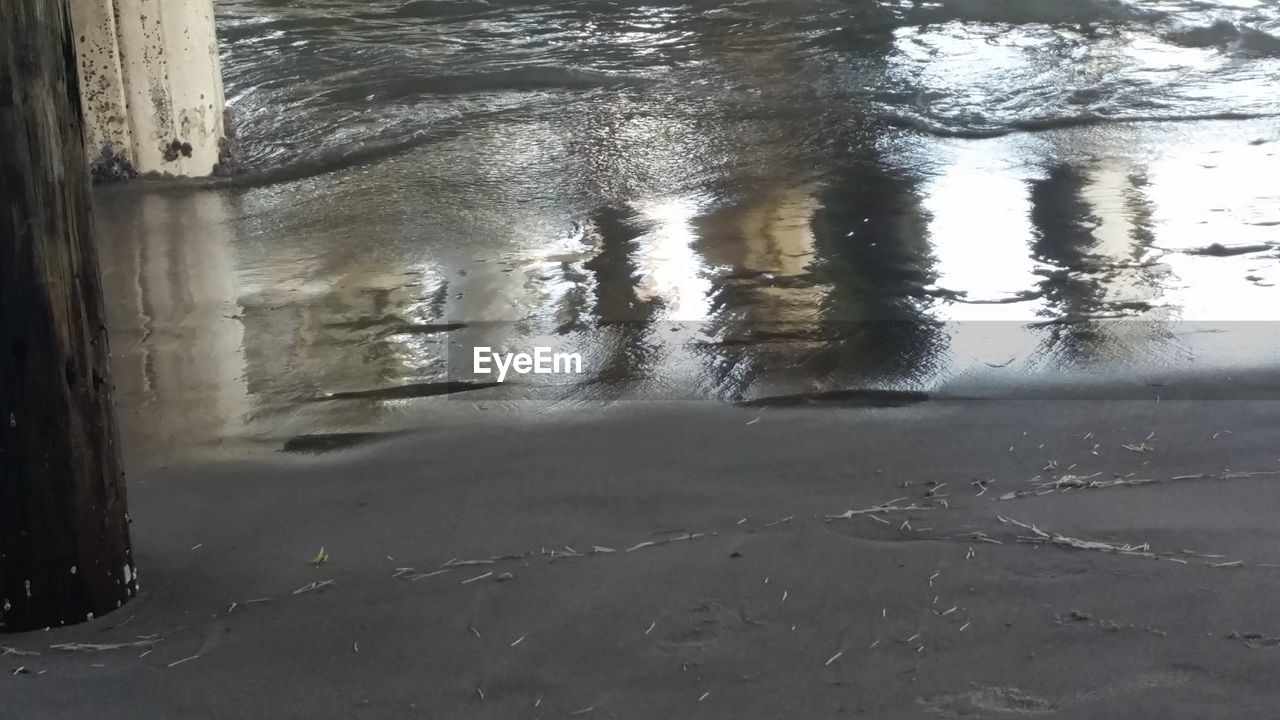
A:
[768,610]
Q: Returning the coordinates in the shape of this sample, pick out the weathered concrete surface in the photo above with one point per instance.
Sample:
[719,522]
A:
[107,137]
[151,86]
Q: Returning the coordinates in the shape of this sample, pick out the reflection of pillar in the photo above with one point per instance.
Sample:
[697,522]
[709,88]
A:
[1090,226]
[873,238]
[768,242]
[769,304]
[151,86]
[170,267]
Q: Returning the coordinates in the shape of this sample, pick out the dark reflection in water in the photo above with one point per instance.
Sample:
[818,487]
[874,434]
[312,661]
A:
[873,241]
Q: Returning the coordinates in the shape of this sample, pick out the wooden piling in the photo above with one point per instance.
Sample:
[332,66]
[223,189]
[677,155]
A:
[64,541]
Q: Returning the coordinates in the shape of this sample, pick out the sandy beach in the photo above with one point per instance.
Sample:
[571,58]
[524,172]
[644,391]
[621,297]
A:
[494,567]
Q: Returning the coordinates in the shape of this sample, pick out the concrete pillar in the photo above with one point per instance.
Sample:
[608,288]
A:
[108,141]
[151,87]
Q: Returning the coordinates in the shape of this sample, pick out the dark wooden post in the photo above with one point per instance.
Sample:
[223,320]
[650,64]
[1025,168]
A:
[64,536]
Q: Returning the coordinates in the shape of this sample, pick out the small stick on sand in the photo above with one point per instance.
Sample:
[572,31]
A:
[676,539]
[473,630]
[833,659]
[176,663]
[317,585]
[102,647]
[6,650]
[476,578]
[459,563]
[705,695]
[652,625]
[518,641]
[888,507]
[433,573]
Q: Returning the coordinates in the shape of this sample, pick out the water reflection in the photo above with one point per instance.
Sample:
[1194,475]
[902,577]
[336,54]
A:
[714,201]
[171,279]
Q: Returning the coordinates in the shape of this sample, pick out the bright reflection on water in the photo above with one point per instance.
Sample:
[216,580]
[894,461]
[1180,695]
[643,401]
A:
[711,200]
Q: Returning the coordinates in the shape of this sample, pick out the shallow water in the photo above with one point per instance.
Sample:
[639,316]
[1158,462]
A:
[708,200]
[315,82]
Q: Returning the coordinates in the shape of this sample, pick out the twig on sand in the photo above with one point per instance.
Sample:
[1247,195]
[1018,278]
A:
[583,711]
[176,663]
[412,575]
[833,659]
[668,541]
[652,625]
[317,585]
[1039,536]
[1089,482]
[6,650]
[888,507]
[103,647]
[455,562]
[477,578]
